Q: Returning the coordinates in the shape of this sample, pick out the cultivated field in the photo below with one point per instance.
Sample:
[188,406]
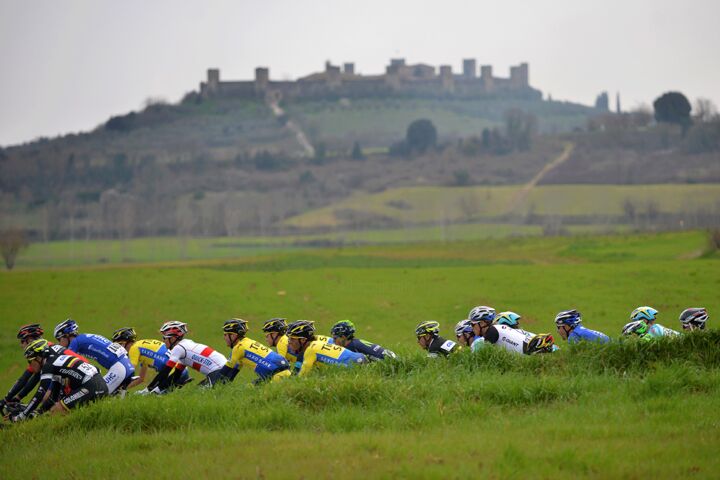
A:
[620,411]
[488,203]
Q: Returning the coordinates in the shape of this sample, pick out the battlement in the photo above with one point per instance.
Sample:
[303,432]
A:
[400,78]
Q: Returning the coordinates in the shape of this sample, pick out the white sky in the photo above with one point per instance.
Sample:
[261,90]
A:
[66,66]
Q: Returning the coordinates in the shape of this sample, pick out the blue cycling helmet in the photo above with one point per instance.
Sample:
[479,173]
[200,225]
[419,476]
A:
[63,329]
[571,318]
[648,314]
[481,314]
[343,328]
[511,319]
[462,327]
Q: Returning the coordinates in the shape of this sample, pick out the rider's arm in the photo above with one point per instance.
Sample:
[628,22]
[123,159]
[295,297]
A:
[23,386]
[309,358]
[166,376]
[232,367]
[51,399]
[45,384]
[141,377]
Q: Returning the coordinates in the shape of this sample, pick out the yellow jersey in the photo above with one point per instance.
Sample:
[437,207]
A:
[264,362]
[292,357]
[321,352]
[148,353]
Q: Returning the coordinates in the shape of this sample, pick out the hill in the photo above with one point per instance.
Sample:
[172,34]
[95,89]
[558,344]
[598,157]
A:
[231,166]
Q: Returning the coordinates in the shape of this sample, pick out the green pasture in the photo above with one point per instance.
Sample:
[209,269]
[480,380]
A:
[379,122]
[583,412]
[458,204]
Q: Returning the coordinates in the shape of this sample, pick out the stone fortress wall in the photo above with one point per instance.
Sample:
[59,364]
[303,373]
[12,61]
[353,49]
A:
[399,79]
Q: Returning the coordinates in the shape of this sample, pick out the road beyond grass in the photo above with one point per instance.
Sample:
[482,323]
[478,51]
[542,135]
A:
[620,411]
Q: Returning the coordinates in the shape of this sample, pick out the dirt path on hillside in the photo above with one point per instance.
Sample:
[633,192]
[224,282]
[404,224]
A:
[523,193]
[294,127]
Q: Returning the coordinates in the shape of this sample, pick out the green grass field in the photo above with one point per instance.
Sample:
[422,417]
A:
[621,411]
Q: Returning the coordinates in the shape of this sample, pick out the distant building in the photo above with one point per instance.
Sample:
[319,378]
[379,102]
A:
[602,102]
[399,79]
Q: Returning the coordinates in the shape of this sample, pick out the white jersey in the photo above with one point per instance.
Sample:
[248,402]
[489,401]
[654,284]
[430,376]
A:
[198,356]
[509,338]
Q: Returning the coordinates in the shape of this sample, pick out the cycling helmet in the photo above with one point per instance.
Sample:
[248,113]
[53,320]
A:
[463,327]
[481,313]
[571,318]
[275,325]
[38,348]
[63,329]
[428,328]
[638,327]
[695,317]
[174,329]
[125,334]
[236,325]
[301,329]
[647,314]
[343,328]
[33,330]
[511,319]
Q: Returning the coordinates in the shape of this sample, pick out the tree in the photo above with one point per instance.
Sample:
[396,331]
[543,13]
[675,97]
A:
[705,110]
[673,107]
[421,135]
[519,128]
[357,153]
[11,242]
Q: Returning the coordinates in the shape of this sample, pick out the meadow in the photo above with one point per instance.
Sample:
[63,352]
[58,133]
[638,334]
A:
[624,410]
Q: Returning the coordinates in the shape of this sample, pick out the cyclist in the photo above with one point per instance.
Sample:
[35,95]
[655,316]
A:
[569,326]
[302,339]
[144,354]
[267,364]
[481,318]
[649,316]
[693,318]
[512,320]
[109,355]
[637,328]
[343,334]
[29,379]
[185,353]
[82,381]
[428,337]
[275,330]
[464,333]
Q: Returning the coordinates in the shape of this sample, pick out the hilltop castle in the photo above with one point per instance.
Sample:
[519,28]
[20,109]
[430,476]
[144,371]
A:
[399,79]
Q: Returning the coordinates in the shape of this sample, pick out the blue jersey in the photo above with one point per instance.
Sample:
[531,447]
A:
[371,350]
[582,334]
[101,350]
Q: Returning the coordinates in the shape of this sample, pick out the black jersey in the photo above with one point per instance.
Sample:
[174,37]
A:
[28,380]
[371,350]
[66,372]
[440,346]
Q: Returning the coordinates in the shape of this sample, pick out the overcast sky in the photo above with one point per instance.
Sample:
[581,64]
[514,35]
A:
[67,65]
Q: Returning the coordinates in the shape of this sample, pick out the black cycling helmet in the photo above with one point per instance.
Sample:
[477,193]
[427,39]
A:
[33,330]
[343,328]
[125,334]
[428,328]
[236,325]
[275,325]
[301,329]
[38,348]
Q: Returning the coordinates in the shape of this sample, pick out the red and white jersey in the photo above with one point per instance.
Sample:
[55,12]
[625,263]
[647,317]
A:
[198,356]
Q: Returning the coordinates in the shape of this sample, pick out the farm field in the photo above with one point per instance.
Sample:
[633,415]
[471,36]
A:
[454,204]
[577,413]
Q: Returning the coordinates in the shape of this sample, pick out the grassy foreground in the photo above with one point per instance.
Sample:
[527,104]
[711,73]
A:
[621,411]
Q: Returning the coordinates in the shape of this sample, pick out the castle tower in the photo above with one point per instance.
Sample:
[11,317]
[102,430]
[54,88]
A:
[618,110]
[349,69]
[486,75]
[332,75]
[262,79]
[446,78]
[524,72]
[213,80]
[469,68]
[397,62]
